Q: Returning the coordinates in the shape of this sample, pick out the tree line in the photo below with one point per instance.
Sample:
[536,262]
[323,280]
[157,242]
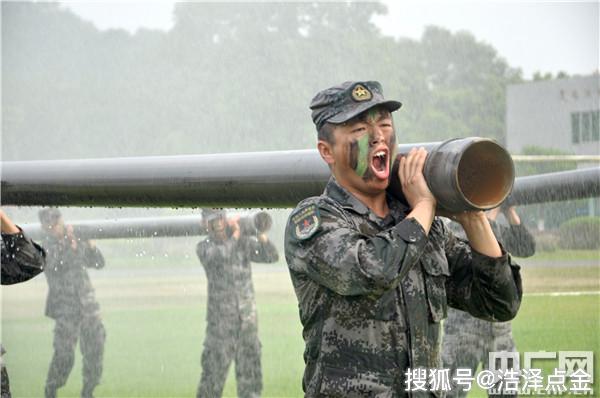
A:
[230,77]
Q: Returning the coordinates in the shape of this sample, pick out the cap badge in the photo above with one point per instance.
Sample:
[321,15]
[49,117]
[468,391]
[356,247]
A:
[360,93]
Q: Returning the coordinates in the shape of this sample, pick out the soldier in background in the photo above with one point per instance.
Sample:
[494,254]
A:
[231,320]
[22,259]
[72,304]
[467,340]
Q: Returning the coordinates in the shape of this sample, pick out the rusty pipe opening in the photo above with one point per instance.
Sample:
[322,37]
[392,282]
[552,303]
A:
[464,174]
[485,174]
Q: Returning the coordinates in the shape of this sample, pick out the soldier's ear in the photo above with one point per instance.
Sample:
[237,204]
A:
[326,151]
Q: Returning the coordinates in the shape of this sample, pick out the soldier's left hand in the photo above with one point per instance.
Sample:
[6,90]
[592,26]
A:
[463,217]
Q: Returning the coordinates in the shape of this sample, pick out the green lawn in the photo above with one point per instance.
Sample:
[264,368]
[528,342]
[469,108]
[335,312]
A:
[155,326]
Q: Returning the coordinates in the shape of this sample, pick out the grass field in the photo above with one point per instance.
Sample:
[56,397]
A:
[155,324]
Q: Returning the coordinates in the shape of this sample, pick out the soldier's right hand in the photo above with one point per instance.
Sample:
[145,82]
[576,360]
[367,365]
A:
[71,236]
[410,173]
[234,225]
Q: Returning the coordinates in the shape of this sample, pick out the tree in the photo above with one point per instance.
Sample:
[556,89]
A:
[229,77]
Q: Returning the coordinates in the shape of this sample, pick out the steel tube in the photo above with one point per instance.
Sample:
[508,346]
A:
[261,179]
[567,185]
[258,179]
[551,187]
[153,227]
[129,228]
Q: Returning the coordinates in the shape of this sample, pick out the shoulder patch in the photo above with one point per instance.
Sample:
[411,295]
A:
[306,222]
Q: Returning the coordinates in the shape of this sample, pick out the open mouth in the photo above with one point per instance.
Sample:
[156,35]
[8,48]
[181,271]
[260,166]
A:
[380,164]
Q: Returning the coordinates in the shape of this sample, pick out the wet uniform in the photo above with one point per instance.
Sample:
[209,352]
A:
[467,340]
[22,259]
[72,304]
[231,320]
[372,292]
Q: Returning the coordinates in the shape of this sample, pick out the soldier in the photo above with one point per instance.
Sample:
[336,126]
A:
[231,322]
[467,340]
[22,259]
[373,276]
[72,304]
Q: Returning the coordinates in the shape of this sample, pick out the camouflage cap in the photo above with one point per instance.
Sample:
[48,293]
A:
[49,215]
[341,103]
[212,214]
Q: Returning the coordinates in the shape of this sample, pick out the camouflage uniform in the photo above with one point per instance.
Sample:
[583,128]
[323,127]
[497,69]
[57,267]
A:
[22,259]
[372,292]
[232,329]
[72,304]
[467,340]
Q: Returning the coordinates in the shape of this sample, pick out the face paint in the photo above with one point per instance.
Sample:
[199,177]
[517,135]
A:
[373,115]
[361,149]
[393,149]
[359,155]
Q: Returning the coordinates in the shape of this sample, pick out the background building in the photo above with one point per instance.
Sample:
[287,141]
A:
[560,114]
[556,115]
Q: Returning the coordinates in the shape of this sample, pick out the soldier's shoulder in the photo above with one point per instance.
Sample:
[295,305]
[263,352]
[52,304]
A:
[322,203]
[305,219]
[204,243]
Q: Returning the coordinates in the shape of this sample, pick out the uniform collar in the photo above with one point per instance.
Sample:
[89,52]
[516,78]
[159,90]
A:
[348,201]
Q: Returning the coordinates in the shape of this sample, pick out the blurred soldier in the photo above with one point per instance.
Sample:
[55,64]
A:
[72,304]
[467,340]
[22,259]
[232,329]
[373,276]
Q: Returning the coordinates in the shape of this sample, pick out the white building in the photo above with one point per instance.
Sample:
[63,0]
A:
[560,114]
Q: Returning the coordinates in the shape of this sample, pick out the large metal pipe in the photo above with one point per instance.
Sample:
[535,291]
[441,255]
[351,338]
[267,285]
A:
[261,179]
[566,185]
[153,227]
[551,187]
[466,174]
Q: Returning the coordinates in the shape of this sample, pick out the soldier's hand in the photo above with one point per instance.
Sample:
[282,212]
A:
[463,217]
[7,226]
[511,215]
[71,236]
[234,224]
[493,213]
[410,173]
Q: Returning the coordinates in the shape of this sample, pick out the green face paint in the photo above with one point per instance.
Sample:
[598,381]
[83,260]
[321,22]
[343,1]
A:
[372,115]
[360,152]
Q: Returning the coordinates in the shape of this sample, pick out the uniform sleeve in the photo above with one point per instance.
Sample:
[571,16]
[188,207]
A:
[518,241]
[22,258]
[488,288]
[261,252]
[338,256]
[93,257]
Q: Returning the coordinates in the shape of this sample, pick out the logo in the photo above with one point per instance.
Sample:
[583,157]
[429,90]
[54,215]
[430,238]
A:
[306,222]
[360,93]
